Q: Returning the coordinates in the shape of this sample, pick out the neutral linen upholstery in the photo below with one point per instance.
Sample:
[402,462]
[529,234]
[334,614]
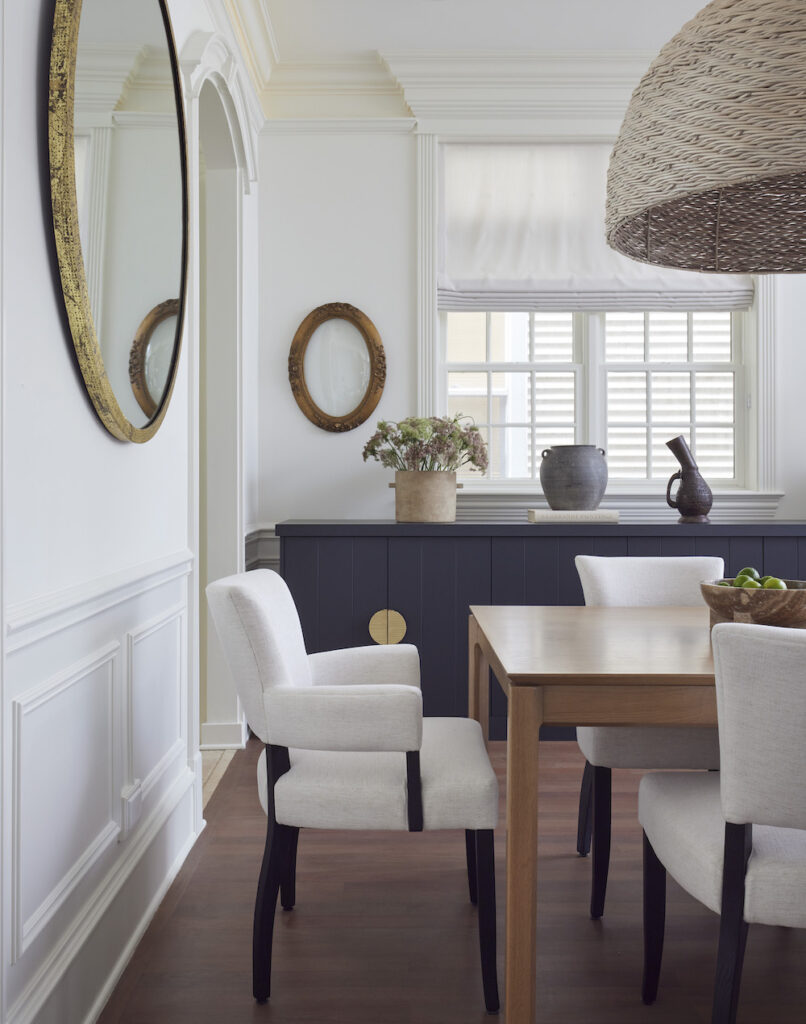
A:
[365,717]
[637,582]
[368,790]
[380,663]
[257,622]
[681,814]
[761,704]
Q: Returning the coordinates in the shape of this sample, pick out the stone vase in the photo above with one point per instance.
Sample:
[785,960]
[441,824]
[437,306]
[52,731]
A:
[424,496]
[573,476]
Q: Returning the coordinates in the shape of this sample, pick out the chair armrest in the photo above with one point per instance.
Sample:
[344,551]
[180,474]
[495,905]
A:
[357,718]
[377,664]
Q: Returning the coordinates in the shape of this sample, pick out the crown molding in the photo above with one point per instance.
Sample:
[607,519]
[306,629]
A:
[359,86]
[254,34]
[519,85]
[339,126]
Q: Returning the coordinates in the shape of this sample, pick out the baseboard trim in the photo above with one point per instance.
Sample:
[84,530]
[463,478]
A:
[148,915]
[263,548]
[223,736]
[47,977]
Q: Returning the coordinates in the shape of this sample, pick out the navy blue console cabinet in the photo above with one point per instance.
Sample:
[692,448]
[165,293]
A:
[342,572]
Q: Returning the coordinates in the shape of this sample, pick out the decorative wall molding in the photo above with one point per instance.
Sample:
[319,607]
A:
[635,507]
[340,126]
[30,621]
[105,70]
[25,930]
[170,617]
[144,119]
[255,37]
[28,1004]
[428,401]
[518,86]
[224,735]
[262,548]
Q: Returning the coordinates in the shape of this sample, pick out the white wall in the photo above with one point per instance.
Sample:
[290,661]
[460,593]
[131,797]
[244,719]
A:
[99,799]
[337,216]
[338,224]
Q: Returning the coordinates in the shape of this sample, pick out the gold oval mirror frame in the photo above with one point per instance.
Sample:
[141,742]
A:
[64,202]
[138,356]
[376,371]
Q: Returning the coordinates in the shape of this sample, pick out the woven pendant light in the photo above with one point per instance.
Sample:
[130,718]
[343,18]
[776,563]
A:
[709,169]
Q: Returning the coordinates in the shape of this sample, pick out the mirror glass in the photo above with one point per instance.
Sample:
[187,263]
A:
[337,367]
[129,190]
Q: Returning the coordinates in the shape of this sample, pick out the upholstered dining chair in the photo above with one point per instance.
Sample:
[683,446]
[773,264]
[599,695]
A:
[632,582]
[347,747]
[736,839]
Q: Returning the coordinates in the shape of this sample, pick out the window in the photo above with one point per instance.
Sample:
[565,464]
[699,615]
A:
[628,381]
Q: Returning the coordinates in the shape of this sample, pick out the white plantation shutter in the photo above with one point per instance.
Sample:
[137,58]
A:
[669,374]
[522,228]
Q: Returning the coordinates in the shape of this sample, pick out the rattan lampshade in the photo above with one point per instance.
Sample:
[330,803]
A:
[709,169]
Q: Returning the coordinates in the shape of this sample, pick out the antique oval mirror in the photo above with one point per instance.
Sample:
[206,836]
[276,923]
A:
[118,174]
[337,366]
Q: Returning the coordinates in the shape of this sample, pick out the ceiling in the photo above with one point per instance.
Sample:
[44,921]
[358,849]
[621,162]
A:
[331,29]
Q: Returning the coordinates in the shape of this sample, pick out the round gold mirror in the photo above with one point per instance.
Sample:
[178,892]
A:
[337,366]
[118,174]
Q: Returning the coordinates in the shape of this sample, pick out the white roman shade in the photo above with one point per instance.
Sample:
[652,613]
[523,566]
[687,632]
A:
[522,228]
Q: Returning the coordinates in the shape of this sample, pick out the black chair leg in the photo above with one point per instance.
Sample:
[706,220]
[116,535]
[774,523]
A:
[654,921]
[485,872]
[585,811]
[472,878]
[288,886]
[275,860]
[732,926]
[601,839]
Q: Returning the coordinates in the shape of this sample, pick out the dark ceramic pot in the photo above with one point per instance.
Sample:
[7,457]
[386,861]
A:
[573,476]
[693,499]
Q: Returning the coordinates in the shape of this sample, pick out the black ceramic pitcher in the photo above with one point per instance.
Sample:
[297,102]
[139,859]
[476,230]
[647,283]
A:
[693,499]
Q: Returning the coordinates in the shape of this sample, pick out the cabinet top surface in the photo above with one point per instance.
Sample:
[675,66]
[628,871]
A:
[389,528]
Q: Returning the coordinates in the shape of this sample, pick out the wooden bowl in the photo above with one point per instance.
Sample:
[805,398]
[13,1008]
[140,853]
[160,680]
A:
[765,607]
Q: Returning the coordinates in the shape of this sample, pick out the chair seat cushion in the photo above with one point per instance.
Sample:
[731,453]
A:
[342,790]
[649,747]
[681,813]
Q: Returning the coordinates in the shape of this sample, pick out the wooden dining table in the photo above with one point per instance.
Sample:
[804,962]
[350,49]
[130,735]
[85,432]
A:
[575,666]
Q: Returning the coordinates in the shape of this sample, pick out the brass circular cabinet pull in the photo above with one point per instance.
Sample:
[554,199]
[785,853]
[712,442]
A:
[387,626]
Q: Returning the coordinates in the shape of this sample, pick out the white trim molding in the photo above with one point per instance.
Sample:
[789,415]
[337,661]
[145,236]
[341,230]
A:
[262,548]
[30,621]
[510,506]
[23,932]
[765,380]
[340,126]
[428,398]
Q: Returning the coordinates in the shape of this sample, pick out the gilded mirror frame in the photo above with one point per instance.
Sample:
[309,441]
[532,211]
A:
[138,354]
[64,205]
[377,366]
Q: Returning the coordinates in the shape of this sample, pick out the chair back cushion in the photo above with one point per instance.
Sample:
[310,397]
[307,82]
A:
[632,582]
[761,705]
[259,628]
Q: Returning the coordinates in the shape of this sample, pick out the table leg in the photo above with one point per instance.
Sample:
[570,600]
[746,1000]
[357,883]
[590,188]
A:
[478,668]
[524,719]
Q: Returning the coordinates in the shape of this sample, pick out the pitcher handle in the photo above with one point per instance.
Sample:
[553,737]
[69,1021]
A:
[675,476]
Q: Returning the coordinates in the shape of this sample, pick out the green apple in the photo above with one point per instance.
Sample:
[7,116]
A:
[773,583]
[764,579]
[740,580]
[724,583]
[750,584]
[749,571]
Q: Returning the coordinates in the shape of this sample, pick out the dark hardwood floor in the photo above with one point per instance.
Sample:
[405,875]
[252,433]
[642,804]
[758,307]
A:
[383,932]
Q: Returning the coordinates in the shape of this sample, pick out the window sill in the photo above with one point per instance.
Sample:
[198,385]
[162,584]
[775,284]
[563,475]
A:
[508,503]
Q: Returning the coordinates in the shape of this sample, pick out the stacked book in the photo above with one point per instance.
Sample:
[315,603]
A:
[596,515]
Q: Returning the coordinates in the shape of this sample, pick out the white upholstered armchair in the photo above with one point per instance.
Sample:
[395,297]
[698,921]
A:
[347,747]
[633,582]
[735,840]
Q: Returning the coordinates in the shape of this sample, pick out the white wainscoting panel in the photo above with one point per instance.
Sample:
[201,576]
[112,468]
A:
[156,683]
[64,808]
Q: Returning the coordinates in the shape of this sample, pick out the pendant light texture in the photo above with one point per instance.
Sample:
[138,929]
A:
[709,169]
